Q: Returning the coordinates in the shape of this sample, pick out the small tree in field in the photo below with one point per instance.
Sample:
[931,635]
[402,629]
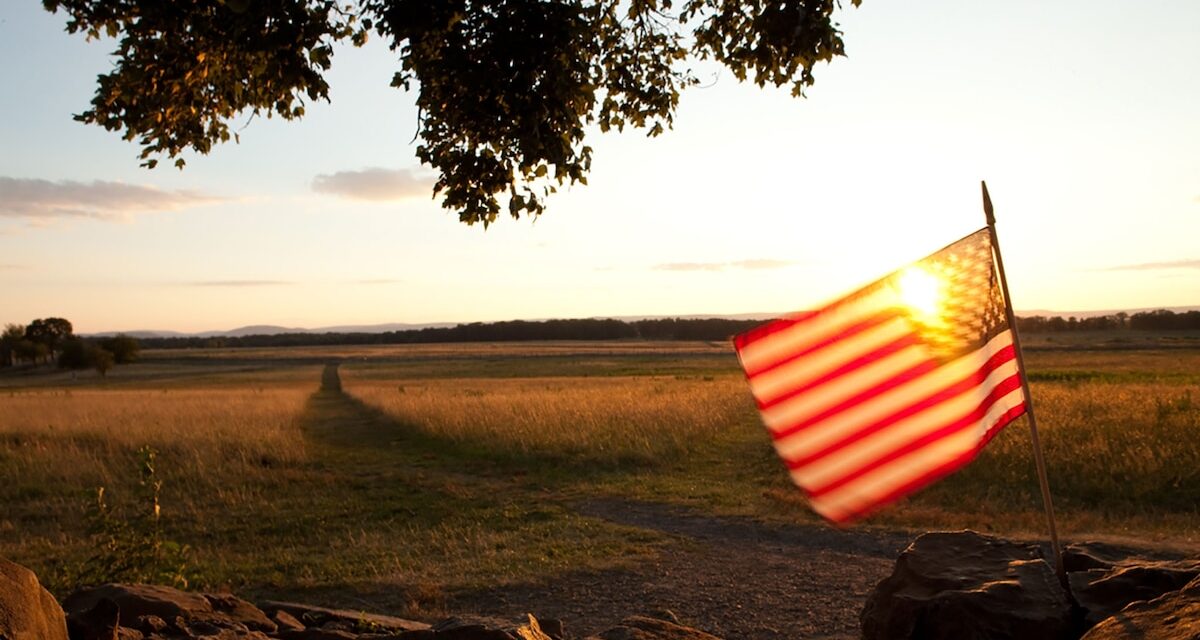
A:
[12,336]
[102,360]
[123,348]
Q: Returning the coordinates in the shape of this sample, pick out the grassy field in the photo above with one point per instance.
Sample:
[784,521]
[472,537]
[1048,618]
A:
[437,468]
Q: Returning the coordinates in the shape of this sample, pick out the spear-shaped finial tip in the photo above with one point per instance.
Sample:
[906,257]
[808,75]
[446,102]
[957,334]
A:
[987,204]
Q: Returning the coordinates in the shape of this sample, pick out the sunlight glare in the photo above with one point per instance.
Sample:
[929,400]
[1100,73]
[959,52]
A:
[920,291]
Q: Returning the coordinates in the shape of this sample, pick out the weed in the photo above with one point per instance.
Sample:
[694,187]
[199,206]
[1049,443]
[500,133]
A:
[129,542]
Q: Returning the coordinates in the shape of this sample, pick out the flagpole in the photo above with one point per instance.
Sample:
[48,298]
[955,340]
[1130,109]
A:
[1038,458]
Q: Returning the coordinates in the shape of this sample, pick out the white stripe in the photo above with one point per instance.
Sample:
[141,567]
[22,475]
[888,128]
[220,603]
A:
[772,384]
[824,433]
[779,346]
[849,459]
[867,490]
[828,394]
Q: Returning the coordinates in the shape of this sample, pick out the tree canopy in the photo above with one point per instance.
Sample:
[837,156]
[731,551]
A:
[504,88]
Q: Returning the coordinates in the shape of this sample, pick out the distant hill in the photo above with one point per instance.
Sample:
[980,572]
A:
[271,330]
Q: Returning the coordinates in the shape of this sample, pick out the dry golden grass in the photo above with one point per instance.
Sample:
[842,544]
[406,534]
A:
[211,442]
[606,420]
[1122,459]
[453,465]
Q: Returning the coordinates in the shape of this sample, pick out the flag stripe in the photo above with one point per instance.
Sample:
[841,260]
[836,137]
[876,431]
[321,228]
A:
[825,358]
[911,467]
[775,326]
[841,513]
[850,388]
[917,469]
[853,467]
[874,441]
[800,335]
[961,395]
[878,403]
[854,355]
[865,324]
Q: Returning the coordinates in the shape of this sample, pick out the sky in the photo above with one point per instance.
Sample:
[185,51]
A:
[1080,115]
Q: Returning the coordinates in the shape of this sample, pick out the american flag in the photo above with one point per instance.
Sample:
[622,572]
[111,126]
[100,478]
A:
[891,387]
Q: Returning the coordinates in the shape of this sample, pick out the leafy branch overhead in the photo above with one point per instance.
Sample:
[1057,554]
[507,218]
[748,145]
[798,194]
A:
[505,88]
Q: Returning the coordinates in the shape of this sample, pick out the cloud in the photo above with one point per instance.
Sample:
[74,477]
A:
[374,184]
[43,200]
[761,264]
[690,266]
[722,266]
[12,267]
[240,283]
[1153,266]
[378,281]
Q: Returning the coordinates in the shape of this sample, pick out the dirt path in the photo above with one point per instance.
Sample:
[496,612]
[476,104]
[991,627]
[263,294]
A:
[734,577]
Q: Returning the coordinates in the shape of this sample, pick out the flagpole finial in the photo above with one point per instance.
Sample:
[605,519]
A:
[987,204]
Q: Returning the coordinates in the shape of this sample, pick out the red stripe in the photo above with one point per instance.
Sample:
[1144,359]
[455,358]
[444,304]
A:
[969,419]
[762,331]
[1002,421]
[846,333]
[912,373]
[900,491]
[934,474]
[961,386]
[774,326]
[915,372]
[851,365]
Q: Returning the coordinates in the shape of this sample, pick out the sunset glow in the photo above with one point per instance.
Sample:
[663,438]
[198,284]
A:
[756,202]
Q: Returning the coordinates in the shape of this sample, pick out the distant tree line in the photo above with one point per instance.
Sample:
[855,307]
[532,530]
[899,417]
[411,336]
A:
[53,341]
[1157,320]
[707,329]
[508,331]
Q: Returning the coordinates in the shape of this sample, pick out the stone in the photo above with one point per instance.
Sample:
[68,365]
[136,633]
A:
[285,621]
[101,622]
[1172,616]
[315,634]
[967,586]
[1103,592]
[242,611]
[27,610]
[125,633]
[484,628]
[1082,556]
[644,628]
[150,624]
[138,600]
[161,610]
[312,616]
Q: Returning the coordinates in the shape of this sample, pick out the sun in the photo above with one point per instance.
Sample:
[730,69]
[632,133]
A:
[921,292]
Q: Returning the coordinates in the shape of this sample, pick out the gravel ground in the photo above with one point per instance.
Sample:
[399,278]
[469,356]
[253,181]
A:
[732,577]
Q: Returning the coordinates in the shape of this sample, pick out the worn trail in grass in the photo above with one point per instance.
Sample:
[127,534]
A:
[615,557]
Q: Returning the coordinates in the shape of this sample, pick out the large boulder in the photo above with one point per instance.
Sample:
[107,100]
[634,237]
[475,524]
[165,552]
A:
[968,586]
[1173,616]
[1102,592]
[643,628]
[159,609]
[27,610]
